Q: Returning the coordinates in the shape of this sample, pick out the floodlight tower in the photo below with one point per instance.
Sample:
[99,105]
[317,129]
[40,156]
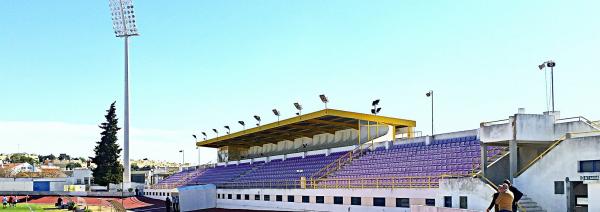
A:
[124,26]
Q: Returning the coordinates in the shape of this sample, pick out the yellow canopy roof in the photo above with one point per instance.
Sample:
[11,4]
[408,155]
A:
[307,125]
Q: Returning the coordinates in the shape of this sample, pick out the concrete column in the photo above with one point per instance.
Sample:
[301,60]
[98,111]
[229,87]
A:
[512,147]
[484,161]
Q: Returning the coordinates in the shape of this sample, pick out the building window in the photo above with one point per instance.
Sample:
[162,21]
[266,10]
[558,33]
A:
[430,202]
[463,202]
[256,197]
[402,203]
[379,201]
[320,199]
[238,196]
[559,187]
[247,196]
[305,199]
[279,198]
[338,200]
[355,201]
[229,196]
[267,197]
[448,201]
[290,198]
[589,166]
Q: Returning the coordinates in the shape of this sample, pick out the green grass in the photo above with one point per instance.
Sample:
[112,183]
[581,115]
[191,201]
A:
[24,207]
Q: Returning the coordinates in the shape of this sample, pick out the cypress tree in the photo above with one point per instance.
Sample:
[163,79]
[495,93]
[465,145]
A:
[108,169]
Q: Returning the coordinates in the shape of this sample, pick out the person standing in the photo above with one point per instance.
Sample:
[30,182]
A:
[493,203]
[4,201]
[168,204]
[517,194]
[505,199]
[14,202]
[10,201]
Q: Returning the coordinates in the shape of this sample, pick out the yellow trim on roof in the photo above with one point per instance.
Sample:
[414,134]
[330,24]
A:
[314,117]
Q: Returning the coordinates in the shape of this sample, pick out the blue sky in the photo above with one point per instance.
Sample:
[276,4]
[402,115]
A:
[200,65]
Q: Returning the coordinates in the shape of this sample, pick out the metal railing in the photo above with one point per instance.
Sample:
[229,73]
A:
[349,183]
[544,153]
[337,164]
[490,123]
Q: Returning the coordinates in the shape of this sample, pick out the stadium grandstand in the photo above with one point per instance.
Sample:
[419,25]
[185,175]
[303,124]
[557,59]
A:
[334,160]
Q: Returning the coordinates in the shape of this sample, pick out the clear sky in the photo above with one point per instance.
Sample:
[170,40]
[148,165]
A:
[200,65]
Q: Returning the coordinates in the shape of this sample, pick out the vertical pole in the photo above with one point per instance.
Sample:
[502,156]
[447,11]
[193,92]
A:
[431,113]
[552,82]
[358,133]
[127,171]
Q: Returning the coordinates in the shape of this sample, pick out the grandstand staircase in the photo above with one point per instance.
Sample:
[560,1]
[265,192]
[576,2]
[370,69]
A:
[248,172]
[342,161]
[529,205]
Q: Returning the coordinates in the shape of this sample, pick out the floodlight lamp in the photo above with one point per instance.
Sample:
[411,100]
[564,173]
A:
[377,111]
[194,136]
[215,130]
[276,112]
[242,123]
[123,18]
[373,111]
[551,63]
[298,106]
[323,98]
[204,134]
[257,118]
[376,102]
[428,94]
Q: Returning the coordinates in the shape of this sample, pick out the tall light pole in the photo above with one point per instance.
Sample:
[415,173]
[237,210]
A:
[182,157]
[124,26]
[324,99]
[299,108]
[550,64]
[430,94]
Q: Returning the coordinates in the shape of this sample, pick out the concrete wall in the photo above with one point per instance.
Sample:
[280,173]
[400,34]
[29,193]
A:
[594,196]
[160,194]
[421,208]
[538,181]
[499,170]
[416,196]
[478,193]
[199,197]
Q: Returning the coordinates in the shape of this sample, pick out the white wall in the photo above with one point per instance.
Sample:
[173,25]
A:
[479,194]
[417,196]
[160,194]
[9,184]
[594,196]
[538,181]
[199,197]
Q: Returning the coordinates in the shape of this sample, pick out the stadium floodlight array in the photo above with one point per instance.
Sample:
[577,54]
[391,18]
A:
[551,64]
[276,112]
[430,94]
[228,129]
[375,109]
[123,18]
[124,25]
[324,99]
[257,119]
[299,108]
[243,124]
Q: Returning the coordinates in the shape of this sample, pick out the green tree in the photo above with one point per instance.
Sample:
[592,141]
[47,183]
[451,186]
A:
[107,151]
[72,165]
[21,158]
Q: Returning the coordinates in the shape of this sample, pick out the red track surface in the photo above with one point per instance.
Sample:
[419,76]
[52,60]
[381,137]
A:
[129,202]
